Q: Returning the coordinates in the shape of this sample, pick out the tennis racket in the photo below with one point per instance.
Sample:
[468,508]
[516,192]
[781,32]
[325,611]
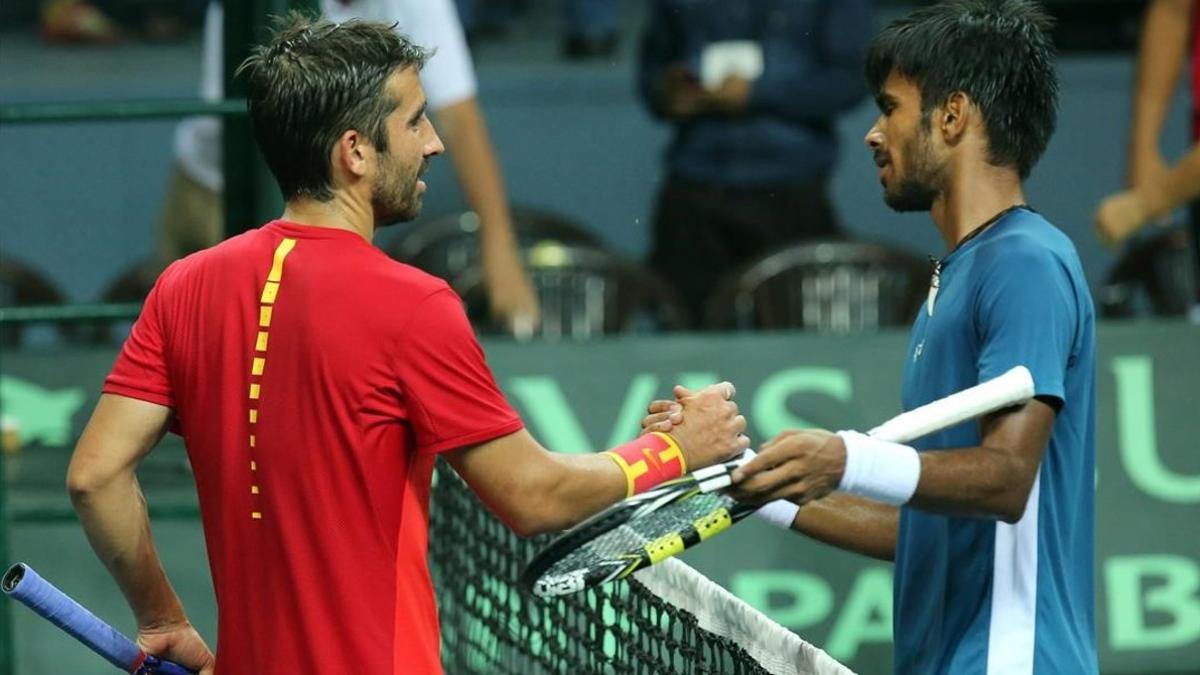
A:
[21,583]
[678,514]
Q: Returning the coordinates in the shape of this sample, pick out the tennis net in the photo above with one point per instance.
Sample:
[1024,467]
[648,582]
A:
[666,619]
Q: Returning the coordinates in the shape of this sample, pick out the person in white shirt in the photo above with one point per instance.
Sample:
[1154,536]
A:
[192,216]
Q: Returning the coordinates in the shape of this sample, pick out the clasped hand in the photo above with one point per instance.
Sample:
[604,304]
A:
[797,465]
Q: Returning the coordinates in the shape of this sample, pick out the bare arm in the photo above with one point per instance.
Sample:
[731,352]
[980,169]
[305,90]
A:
[991,480]
[1125,212]
[534,491]
[852,523]
[104,489]
[1154,189]
[994,479]
[470,147]
[1161,52]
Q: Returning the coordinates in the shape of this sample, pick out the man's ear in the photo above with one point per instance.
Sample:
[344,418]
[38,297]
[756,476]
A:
[353,153]
[953,117]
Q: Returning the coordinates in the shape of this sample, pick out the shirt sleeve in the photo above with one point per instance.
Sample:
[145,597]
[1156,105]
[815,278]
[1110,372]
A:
[141,368]
[450,394]
[831,82]
[1028,315]
[449,76]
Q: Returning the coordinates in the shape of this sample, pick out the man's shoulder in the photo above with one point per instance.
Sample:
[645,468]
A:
[1029,240]
[217,256]
[395,277]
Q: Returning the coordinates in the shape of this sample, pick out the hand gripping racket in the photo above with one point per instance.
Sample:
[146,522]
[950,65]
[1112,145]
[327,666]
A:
[678,514]
[23,584]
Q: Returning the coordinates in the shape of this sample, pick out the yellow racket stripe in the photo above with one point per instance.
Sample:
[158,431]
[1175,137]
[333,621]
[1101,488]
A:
[664,547]
[714,523]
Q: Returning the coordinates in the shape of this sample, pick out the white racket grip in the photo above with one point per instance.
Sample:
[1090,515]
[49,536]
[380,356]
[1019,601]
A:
[1011,388]
[719,476]
[779,513]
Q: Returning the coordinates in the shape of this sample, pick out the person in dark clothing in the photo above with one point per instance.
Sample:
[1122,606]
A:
[752,88]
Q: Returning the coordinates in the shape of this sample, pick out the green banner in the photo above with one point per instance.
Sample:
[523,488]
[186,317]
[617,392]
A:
[580,397]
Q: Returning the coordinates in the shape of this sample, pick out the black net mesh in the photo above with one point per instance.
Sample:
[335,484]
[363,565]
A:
[489,626]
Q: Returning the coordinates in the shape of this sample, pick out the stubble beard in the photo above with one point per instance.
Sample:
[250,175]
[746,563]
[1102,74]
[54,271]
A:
[394,196]
[924,182]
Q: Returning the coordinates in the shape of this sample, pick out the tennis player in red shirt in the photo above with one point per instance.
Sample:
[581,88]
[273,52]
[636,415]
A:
[314,381]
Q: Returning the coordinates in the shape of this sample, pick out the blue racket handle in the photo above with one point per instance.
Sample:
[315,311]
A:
[21,583]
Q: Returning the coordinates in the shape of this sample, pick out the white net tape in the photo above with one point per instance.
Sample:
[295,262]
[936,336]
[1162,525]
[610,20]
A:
[718,611]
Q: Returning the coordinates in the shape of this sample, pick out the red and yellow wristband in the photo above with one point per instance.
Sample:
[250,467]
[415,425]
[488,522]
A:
[649,460]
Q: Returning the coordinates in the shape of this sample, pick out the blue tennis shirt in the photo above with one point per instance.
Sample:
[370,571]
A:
[975,595]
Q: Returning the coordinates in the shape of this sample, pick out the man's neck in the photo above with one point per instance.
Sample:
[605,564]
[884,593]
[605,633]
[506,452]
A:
[975,195]
[339,213]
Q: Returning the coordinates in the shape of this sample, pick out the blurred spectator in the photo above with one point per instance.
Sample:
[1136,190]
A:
[1155,188]
[752,88]
[192,217]
[591,28]
[483,19]
[591,25]
[107,21]
[76,21]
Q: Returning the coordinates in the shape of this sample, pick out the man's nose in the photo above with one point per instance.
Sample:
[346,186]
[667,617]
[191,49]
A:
[874,138]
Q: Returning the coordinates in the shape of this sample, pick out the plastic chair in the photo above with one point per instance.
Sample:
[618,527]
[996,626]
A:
[21,285]
[449,246]
[585,293]
[1155,275]
[833,286]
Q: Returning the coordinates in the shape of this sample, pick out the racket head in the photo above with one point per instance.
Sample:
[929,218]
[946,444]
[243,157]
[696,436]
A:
[635,533]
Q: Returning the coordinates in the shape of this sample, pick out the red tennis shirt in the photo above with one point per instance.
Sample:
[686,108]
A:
[314,380]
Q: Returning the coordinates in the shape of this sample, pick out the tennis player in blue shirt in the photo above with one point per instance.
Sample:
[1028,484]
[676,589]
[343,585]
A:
[990,524]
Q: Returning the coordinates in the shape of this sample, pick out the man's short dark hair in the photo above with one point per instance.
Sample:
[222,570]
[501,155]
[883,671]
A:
[997,52]
[314,80]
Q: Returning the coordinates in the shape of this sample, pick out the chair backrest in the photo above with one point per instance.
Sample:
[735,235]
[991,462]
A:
[1156,275]
[585,292]
[832,286]
[449,246]
[21,285]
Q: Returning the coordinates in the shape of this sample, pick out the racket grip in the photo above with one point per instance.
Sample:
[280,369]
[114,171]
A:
[1011,388]
[28,587]
[156,666]
[720,476]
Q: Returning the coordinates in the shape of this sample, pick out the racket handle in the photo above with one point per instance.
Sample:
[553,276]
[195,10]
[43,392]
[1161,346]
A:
[23,584]
[156,666]
[720,476]
[1011,388]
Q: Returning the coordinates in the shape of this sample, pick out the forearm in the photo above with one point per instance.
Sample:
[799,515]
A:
[1160,60]
[117,525]
[534,490]
[470,148]
[1180,186]
[978,482]
[851,523]
[582,485]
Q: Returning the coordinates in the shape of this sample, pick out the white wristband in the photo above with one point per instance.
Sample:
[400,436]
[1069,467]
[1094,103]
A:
[780,513]
[881,470]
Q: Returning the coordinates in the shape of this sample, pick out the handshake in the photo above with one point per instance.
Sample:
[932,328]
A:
[799,466]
